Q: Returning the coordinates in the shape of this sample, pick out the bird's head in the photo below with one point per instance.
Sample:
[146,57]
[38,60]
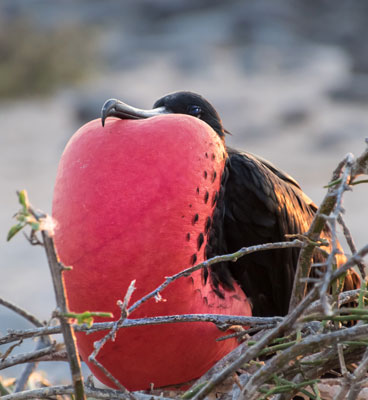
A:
[174,103]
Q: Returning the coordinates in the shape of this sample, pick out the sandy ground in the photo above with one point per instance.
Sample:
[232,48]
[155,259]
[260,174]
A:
[286,118]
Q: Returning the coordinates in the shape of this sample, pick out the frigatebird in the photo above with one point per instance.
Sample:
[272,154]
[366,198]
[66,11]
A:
[257,203]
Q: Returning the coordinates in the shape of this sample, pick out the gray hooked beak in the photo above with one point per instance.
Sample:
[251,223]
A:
[116,108]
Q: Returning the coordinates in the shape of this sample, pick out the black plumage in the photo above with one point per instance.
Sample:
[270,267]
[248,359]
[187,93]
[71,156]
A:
[257,203]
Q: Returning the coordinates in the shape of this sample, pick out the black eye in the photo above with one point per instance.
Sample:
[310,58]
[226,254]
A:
[195,111]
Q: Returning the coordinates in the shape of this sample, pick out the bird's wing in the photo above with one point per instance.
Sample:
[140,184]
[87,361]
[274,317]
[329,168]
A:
[261,204]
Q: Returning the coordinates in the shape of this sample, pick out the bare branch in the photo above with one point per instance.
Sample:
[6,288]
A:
[56,269]
[110,336]
[217,259]
[90,392]
[353,260]
[361,164]
[314,231]
[307,345]
[357,377]
[252,352]
[336,188]
[349,239]
[31,367]
[22,358]
[20,311]
[217,319]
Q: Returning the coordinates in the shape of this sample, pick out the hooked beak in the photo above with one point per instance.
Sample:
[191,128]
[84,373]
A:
[116,108]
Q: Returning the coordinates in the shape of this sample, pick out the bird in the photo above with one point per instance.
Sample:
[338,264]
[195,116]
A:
[143,194]
[259,203]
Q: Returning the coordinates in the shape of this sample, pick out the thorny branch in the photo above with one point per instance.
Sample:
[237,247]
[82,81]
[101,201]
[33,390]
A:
[303,350]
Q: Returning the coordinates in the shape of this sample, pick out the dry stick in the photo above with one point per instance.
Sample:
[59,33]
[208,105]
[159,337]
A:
[52,391]
[357,377]
[353,260]
[217,259]
[361,165]
[344,372]
[252,352]
[14,335]
[307,345]
[314,231]
[220,320]
[20,311]
[57,355]
[225,361]
[56,269]
[31,367]
[26,357]
[326,280]
[111,336]
[43,342]
[315,365]
[217,319]
[271,367]
[349,239]
[344,297]
[349,296]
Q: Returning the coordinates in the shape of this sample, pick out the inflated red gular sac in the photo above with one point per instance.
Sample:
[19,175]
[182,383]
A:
[135,200]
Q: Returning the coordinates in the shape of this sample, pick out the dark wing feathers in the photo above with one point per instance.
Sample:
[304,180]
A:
[261,206]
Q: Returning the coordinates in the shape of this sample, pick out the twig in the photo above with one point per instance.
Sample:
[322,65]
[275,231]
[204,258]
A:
[310,343]
[111,336]
[361,165]
[217,259]
[357,377]
[326,279]
[31,367]
[90,392]
[314,231]
[217,319]
[340,352]
[353,260]
[349,239]
[252,351]
[15,335]
[26,357]
[57,355]
[349,295]
[42,343]
[20,311]
[56,269]
[332,197]
[223,363]
[315,365]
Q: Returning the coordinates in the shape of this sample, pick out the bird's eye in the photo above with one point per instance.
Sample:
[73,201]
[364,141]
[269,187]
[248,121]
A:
[195,111]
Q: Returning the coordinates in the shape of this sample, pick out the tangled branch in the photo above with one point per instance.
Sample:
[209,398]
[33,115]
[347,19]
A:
[287,355]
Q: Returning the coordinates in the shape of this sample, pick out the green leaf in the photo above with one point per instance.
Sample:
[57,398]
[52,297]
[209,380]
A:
[23,199]
[87,316]
[14,230]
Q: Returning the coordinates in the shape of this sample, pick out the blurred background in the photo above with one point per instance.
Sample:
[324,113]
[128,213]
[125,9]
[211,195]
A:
[288,77]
